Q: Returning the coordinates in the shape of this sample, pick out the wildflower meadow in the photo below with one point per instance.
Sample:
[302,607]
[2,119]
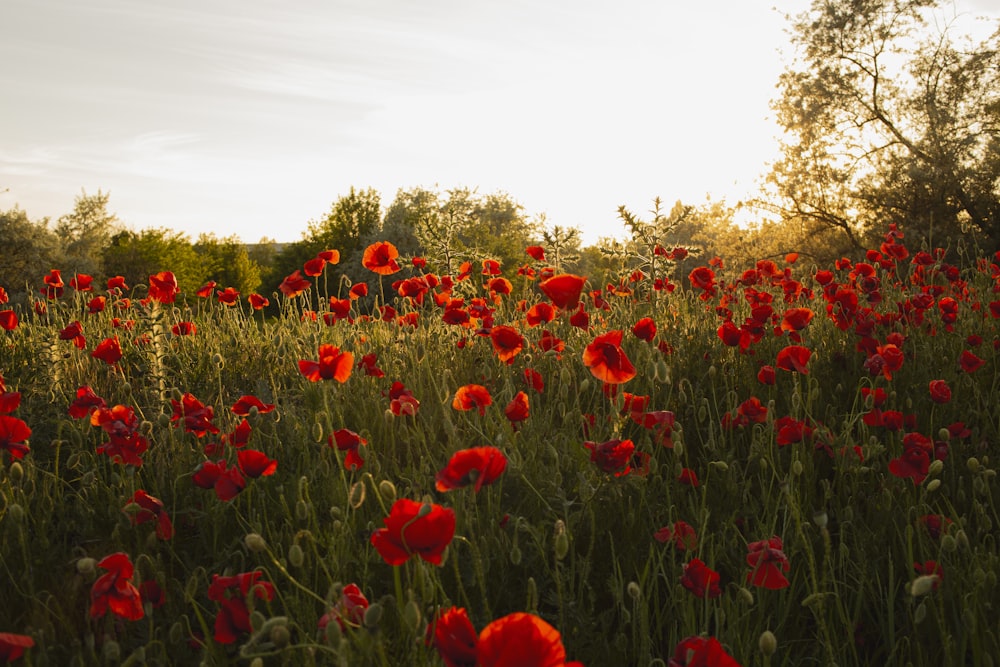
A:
[771,464]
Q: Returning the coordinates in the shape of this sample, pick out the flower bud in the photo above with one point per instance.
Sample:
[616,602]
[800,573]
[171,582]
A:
[412,616]
[767,643]
[797,468]
[387,490]
[296,556]
[933,485]
[634,591]
[302,510]
[373,616]
[279,635]
[16,472]
[112,651]
[86,566]
[949,544]
[255,543]
[935,468]
[972,464]
[356,498]
[923,585]
[920,613]
[561,545]
[16,513]
[746,595]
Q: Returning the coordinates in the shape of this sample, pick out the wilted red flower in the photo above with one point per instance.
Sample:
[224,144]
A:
[479,466]
[74,332]
[12,646]
[701,652]
[517,410]
[701,579]
[380,258]
[332,365]
[606,359]
[612,456]
[969,362]
[645,329]
[349,612]
[793,358]
[563,289]
[767,561]
[258,302]
[13,436]
[472,396]
[453,635]
[184,328]
[163,287]
[414,528]
[245,403]
[108,350]
[348,441]
[521,640]
[940,391]
[8,320]
[231,593]
[149,508]
[114,592]
[294,284]
[217,475]
[197,417]
[256,464]
[86,401]
[507,343]
[681,533]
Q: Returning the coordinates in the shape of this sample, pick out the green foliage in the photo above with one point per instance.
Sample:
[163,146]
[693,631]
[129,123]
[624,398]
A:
[84,233]
[30,249]
[138,255]
[227,261]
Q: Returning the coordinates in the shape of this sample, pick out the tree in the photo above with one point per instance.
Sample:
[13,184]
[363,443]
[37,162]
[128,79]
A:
[85,233]
[352,217]
[138,255]
[889,120]
[30,249]
[228,262]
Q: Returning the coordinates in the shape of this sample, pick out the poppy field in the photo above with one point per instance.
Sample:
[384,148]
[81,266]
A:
[699,464]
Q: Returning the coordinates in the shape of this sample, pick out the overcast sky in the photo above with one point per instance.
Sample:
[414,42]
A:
[252,117]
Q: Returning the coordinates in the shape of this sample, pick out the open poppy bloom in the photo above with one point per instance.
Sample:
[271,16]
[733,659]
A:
[108,350]
[255,464]
[701,579]
[332,365]
[940,391]
[536,252]
[349,612]
[12,646]
[245,403]
[163,287]
[606,359]
[401,400]
[380,257]
[768,562]
[540,313]
[74,332]
[184,329]
[612,456]
[86,401]
[793,358]
[195,415]
[114,592]
[645,329]
[507,343]
[348,441]
[8,320]
[517,410]
[701,652]
[143,507]
[472,396]
[125,443]
[681,533]
[258,302]
[563,290]
[227,482]
[14,434]
[294,284]
[479,466]
[521,640]
[231,593]
[414,528]
[453,635]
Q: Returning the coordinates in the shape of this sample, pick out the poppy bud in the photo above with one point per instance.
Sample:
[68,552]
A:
[920,613]
[933,485]
[681,397]
[633,591]
[112,651]
[279,634]
[16,472]
[515,555]
[86,566]
[584,386]
[678,448]
[356,498]
[949,544]
[961,539]
[712,370]
[425,509]
[317,432]
[412,616]
[767,643]
[722,466]
[746,595]
[373,616]
[257,662]
[820,518]
[972,464]
[257,621]
[255,543]
[561,545]
[176,634]
[923,585]
[296,556]
[797,468]
[387,490]
[163,420]
[531,604]
[935,468]
[218,360]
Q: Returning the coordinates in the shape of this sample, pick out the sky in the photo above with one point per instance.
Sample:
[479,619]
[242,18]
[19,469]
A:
[251,117]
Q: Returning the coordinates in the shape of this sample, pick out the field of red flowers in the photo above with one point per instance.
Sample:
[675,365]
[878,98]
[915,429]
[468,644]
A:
[771,464]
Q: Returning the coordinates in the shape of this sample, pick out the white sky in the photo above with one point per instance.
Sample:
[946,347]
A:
[252,117]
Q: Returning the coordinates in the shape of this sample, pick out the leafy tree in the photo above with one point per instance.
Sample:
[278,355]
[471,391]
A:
[562,245]
[887,119]
[30,249]
[227,261]
[352,217]
[138,255]
[85,232]
[407,212]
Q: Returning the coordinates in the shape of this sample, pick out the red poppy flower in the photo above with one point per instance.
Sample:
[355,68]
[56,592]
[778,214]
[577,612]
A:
[935,524]
[520,640]
[86,401]
[681,533]
[9,400]
[13,436]
[258,302]
[380,258]
[358,290]
[332,365]
[701,579]
[534,379]
[940,391]
[453,635]
[244,404]
[197,417]
[612,456]
[108,350]
[414,528]
[348,441]
[645,329]
[8,320]
[74,332]
[688,477]
[767,561]
[507,343]
[314,266]
[349,612]
[117,283]
[148,508]
[114,592]
[294,284]
[184,329]
[969,362]
[766,375]
[491,267]
[53,284]
[703,278]
[536,252]
[12,646]
[231,593]
[480,466]
[125,443]
[81,282]
[472,396]
[225,481]
[606,359]
[152,593]
[563,289]
[205,290]
[540,313]
[228,297]
[163,287]
[238,438]
[701,652]
[517,410]
[256,464]
[401,400]
[914,463]
[796,319]
[930,568]
[793,358]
